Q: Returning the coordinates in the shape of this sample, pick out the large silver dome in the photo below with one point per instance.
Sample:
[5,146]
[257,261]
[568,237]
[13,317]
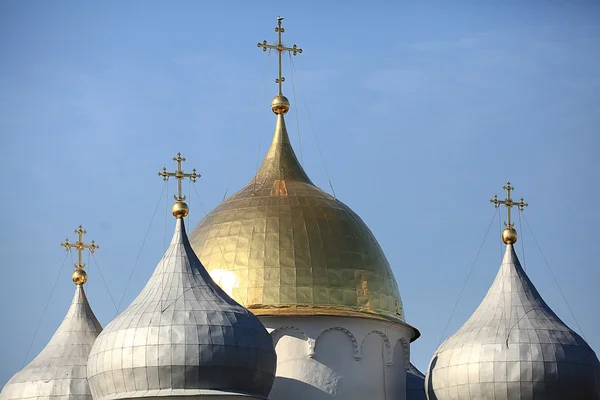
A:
[58,372]
[513,347]
[182,336]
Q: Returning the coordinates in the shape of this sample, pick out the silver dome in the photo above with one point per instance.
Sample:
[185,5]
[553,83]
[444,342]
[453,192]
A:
[182,336]
[513,347]
[59,371]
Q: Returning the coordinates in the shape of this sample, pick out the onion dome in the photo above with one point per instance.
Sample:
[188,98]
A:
[59,371]
[415,384]
[182,335]
[282,246]
[513,346]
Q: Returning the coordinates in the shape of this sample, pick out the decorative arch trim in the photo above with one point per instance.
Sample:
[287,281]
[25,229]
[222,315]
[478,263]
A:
[310,343]
[355,348]
[386,344]
[406,350]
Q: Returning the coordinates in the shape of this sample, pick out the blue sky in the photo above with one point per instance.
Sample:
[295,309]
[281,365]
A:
[422,112]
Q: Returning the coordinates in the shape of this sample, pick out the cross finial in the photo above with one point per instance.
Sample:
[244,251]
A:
[79,276]
[179,175]
[280,49]
[509,203]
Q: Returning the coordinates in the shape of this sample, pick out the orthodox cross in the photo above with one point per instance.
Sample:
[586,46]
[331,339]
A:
[509,203]
[80,246]
[179,175]
[280,49]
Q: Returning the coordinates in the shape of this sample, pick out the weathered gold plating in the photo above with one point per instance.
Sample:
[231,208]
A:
[509,235]
[180,209]
[79,276]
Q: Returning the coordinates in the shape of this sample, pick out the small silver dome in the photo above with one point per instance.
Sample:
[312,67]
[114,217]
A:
[513,347]
[59,371]
[182,336]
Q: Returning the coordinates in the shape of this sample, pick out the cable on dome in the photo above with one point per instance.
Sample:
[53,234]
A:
[166,219]
[247,128]
[72,259]
[467,278]
[262,121]
[163,309]
[141,247]
[554,276]
[517,323]
[522,242]
[103,280]
[500,242]
[162,275]
[45,308]
[88,263]
[314,132]
[296,109]
[200,201]
[189,196]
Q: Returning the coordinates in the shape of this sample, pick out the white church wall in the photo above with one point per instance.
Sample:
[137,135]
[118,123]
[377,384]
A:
[325,357]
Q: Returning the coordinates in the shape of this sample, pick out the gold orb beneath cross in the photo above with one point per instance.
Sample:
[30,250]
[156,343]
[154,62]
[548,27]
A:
[79,277]
[180,210]
[280,104]
[509,236]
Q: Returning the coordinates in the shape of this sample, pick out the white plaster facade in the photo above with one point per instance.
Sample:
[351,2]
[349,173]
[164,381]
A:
[323,357]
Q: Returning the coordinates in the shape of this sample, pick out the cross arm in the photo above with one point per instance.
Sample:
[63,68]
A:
[294,49]
[166,174]
[509,203]
[67,245]
[92,246]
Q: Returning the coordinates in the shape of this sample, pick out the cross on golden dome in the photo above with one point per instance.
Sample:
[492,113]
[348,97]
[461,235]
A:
[280,49]
[179,175]
[509,235]
[180,209]
[79,276]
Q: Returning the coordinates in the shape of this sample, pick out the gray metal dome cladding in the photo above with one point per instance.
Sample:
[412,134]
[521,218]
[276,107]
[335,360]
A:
[415,384]
[513,347]
[182,336]
[58,372]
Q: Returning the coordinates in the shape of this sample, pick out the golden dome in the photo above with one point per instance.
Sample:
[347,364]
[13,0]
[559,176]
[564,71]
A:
[282,246]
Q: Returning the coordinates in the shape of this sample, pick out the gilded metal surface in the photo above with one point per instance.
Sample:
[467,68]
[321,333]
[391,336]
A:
[513,347]
[282,246]
[59,371]
[280,104]
[415,384]
[509,235]
[182,336]
[79,276]
[280,49]
[180,209]
[179,175]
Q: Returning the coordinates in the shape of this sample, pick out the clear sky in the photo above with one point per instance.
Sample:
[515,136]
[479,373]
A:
[423,110]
